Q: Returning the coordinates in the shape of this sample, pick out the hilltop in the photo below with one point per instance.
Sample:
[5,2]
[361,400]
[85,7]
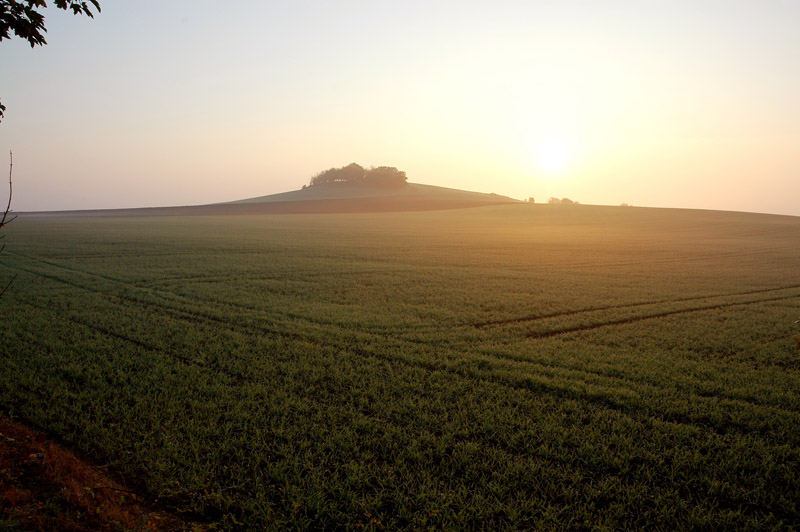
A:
[408,192]
[382,189]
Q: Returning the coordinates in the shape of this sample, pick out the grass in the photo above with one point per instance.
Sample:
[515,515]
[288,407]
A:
[502,367]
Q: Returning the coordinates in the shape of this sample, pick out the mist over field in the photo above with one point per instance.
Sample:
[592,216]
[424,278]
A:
[369,265]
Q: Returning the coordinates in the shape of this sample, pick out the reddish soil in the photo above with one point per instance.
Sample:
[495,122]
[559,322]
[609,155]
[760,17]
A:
[44,486]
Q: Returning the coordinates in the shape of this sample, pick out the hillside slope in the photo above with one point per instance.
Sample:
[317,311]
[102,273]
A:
[346,191]
[329,198]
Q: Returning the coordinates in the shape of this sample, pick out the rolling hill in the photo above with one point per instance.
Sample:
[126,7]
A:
[326,198]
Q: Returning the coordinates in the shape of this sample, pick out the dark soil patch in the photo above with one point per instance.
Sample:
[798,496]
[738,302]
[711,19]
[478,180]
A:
[44,486]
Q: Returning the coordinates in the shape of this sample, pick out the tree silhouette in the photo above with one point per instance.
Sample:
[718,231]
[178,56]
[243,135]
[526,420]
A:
[353,174]
[23,19]
[385,176]
[562,201]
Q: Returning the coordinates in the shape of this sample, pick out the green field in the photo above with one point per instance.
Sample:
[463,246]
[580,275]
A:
[500,367]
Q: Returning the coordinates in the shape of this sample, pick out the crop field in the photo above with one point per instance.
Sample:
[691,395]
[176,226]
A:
[518,366]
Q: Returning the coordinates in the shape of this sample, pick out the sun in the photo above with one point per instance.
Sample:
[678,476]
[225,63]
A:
[552,154]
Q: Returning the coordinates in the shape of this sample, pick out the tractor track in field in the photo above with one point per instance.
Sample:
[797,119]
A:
[538,317]
[119,336]
[153,290]
[551,389]
[539,384]
[202,317]
[608,262]
[588,469]
[634,319]
[479,325]
[303,277]
[696,257]
[533,382]
[170,310]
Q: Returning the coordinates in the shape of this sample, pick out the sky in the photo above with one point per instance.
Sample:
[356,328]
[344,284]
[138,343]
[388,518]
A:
[690,104]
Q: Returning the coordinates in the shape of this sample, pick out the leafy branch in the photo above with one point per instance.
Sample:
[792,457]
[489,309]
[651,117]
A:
[23,19]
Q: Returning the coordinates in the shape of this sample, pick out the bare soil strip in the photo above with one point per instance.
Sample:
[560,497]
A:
[44,486]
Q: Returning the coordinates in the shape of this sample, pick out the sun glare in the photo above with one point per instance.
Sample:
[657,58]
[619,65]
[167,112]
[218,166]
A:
[552,155]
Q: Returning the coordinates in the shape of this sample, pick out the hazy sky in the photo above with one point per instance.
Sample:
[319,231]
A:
[675,104]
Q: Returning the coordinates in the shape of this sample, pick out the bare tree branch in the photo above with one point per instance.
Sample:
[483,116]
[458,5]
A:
[5,221]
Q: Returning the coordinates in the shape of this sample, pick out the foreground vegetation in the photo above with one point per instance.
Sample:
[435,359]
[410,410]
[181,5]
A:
[511,366]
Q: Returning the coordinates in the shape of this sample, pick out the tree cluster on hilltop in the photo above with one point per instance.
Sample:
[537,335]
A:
[354,174]
[561,201]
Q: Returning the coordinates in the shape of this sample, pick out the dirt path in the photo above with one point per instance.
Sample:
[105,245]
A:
[44,486]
